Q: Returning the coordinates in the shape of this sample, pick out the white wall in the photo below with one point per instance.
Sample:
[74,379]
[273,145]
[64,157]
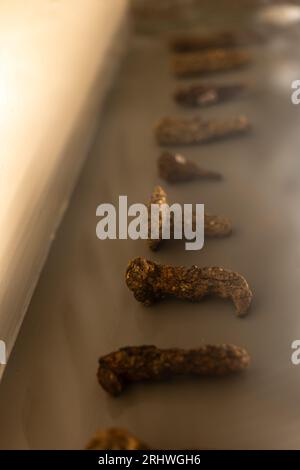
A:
[56,61]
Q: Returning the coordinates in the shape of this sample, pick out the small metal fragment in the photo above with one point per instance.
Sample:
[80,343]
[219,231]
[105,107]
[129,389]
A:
[176,168]
[115,439]
[214,225]
[202,95]
[143,363]
[224,39]
[195,130]
[151,282]
[211,61]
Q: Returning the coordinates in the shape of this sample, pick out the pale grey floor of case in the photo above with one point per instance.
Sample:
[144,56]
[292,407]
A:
[49,397]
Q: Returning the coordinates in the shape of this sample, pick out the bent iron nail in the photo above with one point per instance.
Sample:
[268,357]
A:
[151,282]
[175,168]
[224,39]
[115,439]
[195,130]
[214,225]
[214,60]
[202,95]
[149,363]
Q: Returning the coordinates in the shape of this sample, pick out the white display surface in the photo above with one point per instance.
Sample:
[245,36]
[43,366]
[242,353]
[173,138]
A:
[56,61]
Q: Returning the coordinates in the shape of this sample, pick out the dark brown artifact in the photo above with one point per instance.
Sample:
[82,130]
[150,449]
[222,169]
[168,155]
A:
[115,439]
[175,168]
[197,41]
[195,130]
[142,363]
[211,61]
[151,282]
[214,225]
[202,95]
